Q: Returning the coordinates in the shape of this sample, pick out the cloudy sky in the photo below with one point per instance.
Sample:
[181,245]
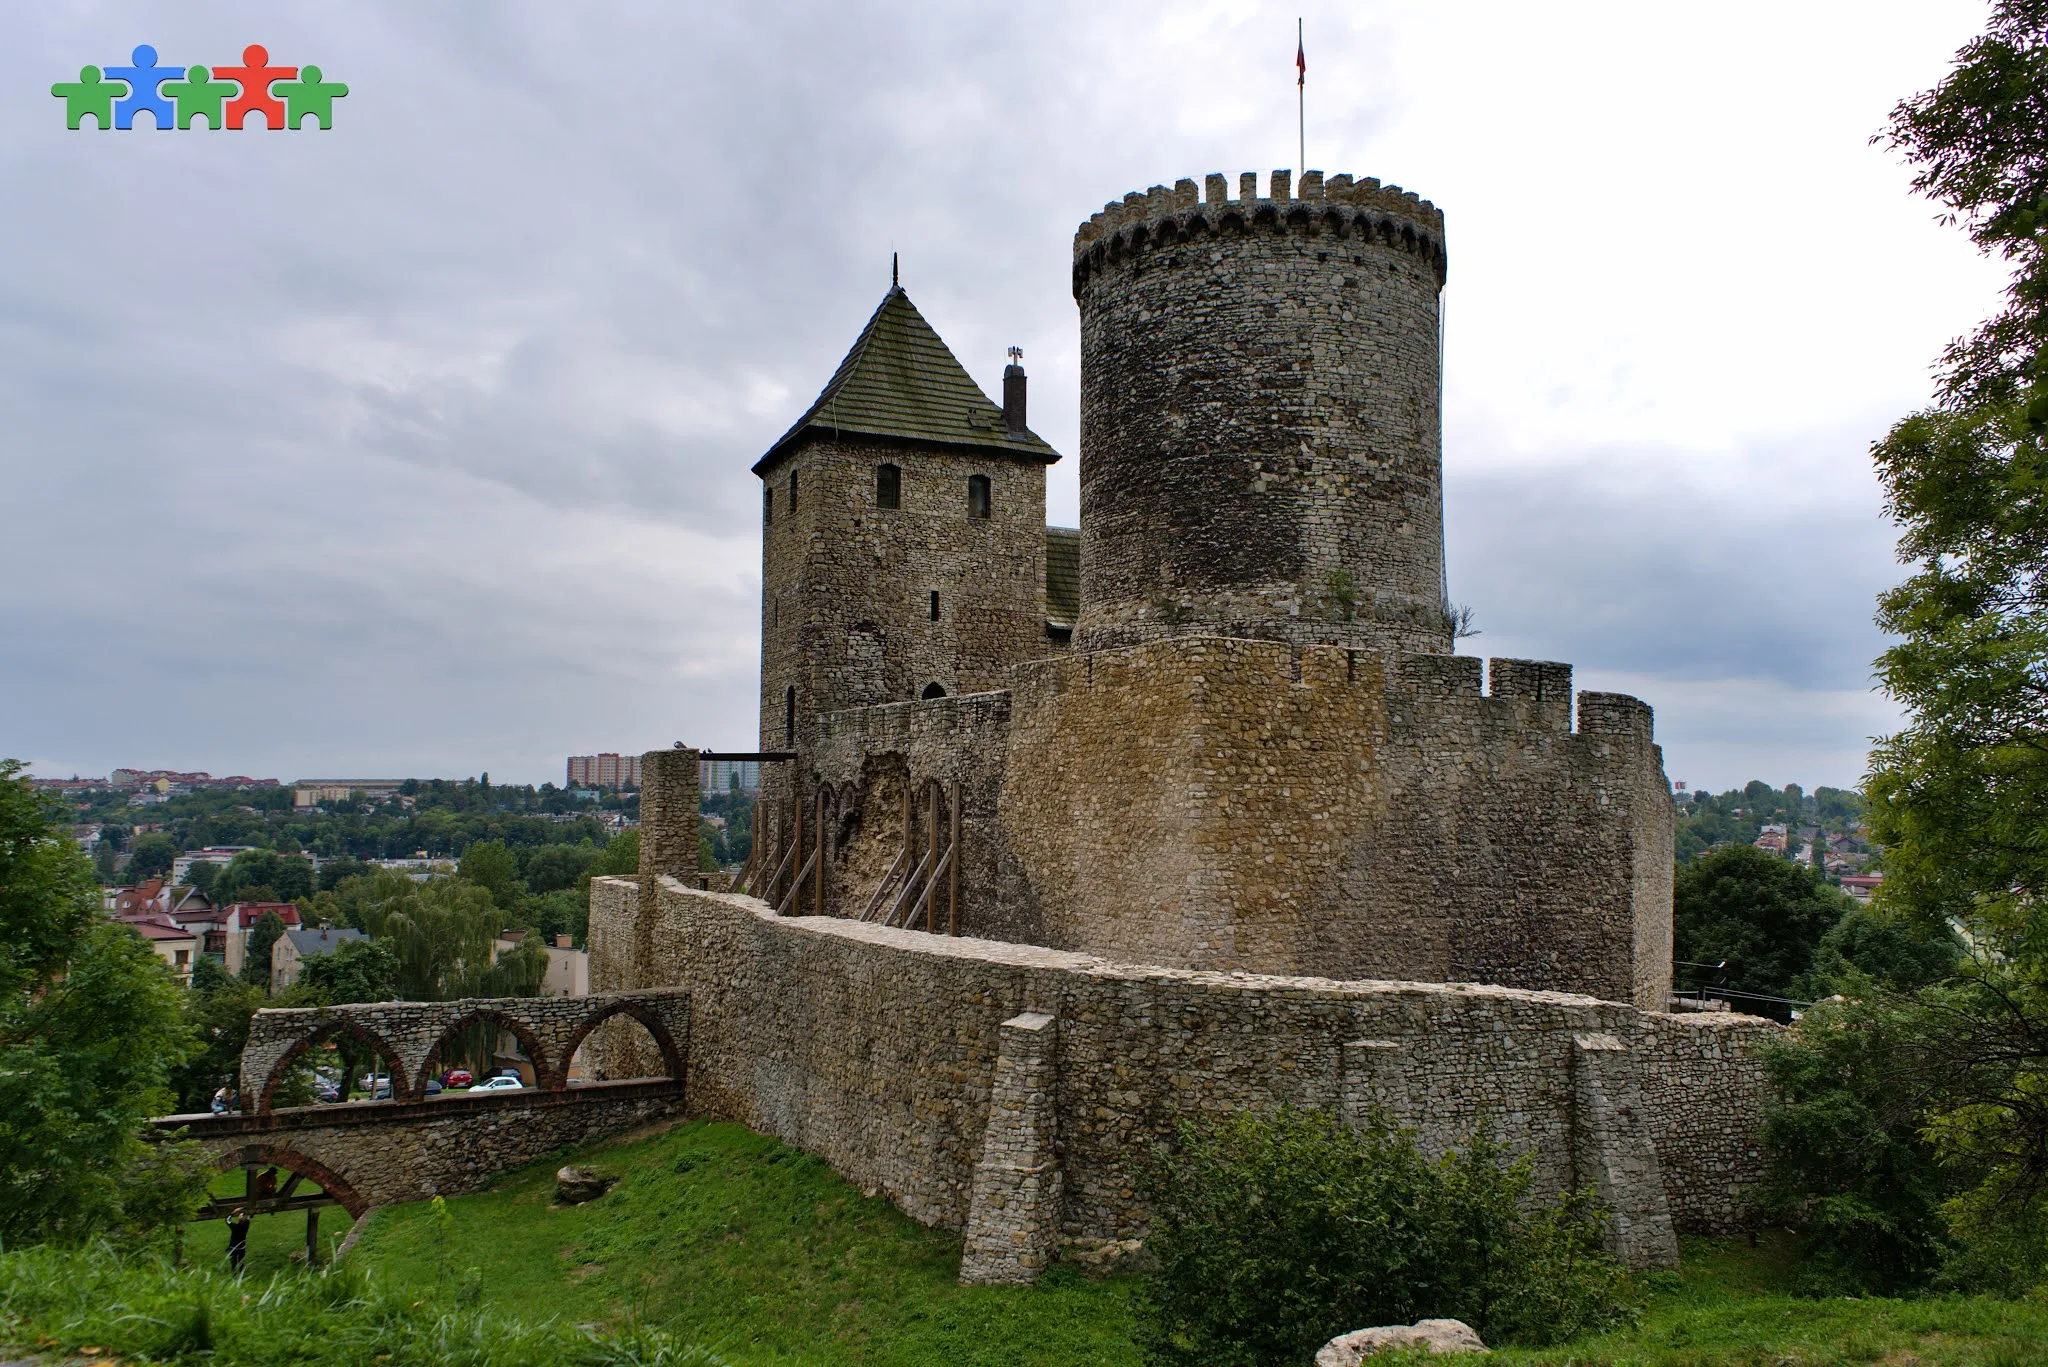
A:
[420,446]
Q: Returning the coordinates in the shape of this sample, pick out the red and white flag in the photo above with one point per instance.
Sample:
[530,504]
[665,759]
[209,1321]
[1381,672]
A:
[1300,62]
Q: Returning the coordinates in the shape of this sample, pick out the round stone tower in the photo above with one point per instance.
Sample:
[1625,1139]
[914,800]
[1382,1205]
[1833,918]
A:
[1261,427]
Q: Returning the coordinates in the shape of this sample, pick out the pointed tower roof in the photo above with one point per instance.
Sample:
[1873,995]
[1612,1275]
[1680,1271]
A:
[900,380]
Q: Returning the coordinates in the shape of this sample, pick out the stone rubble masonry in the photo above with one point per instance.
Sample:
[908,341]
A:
[1611,1141]
[1208,802]
[882,1051]
[408,1035]
[846,617]
[1013,1213]
[1261,428]
[390,1152]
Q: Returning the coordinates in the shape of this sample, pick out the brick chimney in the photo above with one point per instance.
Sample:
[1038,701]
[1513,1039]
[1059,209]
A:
[1013,393]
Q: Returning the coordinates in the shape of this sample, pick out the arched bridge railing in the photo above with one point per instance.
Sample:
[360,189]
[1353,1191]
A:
[409,1036]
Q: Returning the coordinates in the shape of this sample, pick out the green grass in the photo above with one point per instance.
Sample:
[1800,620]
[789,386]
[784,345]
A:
[1727,1308]
[721,1246]
[755,1250]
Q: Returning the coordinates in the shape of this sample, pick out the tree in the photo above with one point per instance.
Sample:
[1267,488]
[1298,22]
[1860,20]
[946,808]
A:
[151,857]
[205,876]
[333,871]
[266,876]
[552,868]
[357,971]
[1959,794]
[267,931]
[1762,915]
[90,1030]
[1892,952]
[495,869]
[217,1012]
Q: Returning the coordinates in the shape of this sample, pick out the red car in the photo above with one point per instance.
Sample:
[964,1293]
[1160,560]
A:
[456,1077]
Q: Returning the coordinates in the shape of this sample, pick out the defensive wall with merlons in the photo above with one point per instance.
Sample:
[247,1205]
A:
[1007,1091]
[1206,802]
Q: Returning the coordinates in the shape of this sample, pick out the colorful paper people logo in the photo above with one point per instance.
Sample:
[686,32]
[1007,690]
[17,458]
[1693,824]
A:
[176,95]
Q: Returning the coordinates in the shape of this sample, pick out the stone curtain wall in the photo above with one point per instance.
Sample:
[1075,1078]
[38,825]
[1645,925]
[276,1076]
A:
[408,1035]
[375,1155]
[1220,803]
[1261,436]
[883,1052]
[866,757]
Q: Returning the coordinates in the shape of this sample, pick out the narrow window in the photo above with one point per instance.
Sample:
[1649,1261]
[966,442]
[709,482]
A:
[767,505]
[935,605]
[977,495]
[933,690]
[792,491]
[789,716]
[888,486]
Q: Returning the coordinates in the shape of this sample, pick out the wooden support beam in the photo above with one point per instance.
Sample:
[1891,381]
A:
[882,889]
[312,1237]
[955,855]
[796,889]
[931,909]
[796,834]
[818,843]
[906,900]
[241,1208]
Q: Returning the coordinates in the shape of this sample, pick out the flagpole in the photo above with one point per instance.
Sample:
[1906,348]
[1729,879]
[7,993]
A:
[1301,98]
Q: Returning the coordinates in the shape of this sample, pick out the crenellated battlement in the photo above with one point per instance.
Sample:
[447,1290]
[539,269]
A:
[1344,207]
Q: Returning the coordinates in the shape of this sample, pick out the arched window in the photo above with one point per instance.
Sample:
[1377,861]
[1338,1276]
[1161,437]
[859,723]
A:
[792,491]
[888,486]
[767,505]
[977,495]
[933,690]
[789,716]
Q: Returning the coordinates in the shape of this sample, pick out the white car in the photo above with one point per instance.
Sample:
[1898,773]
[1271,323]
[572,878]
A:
[497,1084]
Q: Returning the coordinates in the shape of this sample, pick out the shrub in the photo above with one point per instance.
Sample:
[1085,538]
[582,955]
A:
[1273,1234]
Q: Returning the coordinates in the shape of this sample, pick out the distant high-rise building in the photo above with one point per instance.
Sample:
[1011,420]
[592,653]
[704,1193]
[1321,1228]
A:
[604,771]
[717,775]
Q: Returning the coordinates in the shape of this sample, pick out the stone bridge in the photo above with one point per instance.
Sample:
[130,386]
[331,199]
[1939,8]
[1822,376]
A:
[367,1155]
[409,1036]
[412,1147]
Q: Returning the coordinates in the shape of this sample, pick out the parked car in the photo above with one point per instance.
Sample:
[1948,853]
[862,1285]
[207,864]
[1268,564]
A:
[433,1086]
[383,1092]
[498,1084]
[457,1077]
[328,1092]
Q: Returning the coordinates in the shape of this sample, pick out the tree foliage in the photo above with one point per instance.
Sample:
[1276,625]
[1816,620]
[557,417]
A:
[1274,1233]
[90,1028]
[1900,1099]
[441,935]
[357,971]
[263,937]
[1763,916]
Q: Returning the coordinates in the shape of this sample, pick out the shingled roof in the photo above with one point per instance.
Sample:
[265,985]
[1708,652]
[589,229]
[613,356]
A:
[1062,576]
[900,380]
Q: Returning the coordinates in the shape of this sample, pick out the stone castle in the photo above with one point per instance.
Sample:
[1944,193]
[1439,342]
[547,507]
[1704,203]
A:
[1069,833]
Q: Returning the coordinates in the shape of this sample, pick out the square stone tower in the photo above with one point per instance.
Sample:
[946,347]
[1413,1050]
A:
[903,534]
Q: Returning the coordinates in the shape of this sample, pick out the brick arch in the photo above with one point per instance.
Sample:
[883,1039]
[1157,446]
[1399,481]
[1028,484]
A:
[276,1156]
[320,1031]
[671,1056]
[546,1075]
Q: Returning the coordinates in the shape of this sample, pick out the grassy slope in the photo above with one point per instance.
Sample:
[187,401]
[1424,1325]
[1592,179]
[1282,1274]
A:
[735,1242]
[750,1248]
